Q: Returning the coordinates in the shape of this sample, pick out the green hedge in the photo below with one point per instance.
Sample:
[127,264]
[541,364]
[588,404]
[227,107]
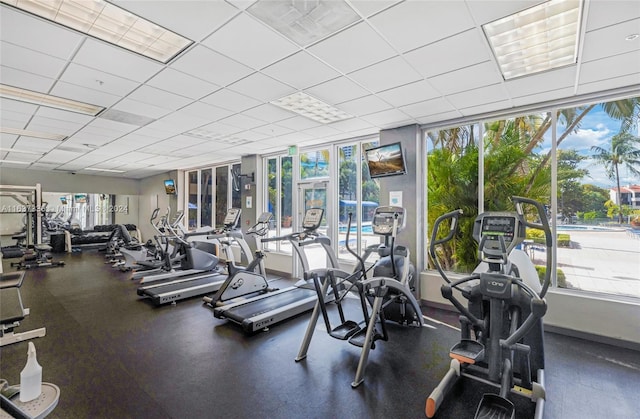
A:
[563,240]
[562,279]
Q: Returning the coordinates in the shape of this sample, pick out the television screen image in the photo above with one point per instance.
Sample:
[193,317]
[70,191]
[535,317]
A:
[386,160]
[63,200]
[170,186]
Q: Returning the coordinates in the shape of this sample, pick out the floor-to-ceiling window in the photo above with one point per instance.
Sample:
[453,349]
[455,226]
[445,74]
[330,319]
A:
[206,203]
[359,195]
[597,155]
[192,198]
[279,199]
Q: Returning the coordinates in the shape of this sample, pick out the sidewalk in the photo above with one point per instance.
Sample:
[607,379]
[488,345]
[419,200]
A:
[602,261]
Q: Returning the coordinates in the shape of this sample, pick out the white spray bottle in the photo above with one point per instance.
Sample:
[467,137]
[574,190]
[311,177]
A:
[31,377]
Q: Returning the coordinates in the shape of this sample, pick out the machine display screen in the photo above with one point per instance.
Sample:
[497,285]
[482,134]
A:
[231,219]
[499,226]
[312,218]
[383,220]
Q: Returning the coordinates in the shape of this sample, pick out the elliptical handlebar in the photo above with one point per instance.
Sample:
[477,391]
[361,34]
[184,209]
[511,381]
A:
[544,226]
[453,228]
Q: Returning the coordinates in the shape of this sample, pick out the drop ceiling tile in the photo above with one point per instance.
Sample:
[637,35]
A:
[385,118]
[97,80]
[55,125]
[21,156]
[182,84]
[611,67]
[367,7]
[428,21]
[427,107]
[608,84]
[181,121]
[486,107]
[409,93]
[474,76]
[17,106]
[192,19]
[243,121]
[14,119]
[117,61]
[534,98]
[610,41]
[301,70]
[34,144]
[109,127]
[320,131]
[268,112]
[251,135]
[83,94]
[210,66]
[205,111]
[462,50]
[139,108]
[350,125]
[272,130]
[607,13]
[158,97]
[541,82]
[364,105]
[220,129]
[18,78]
[298,123]
[227,99]
[476,97]
[286,140]
[254,44]
[31,61]
[337,90]
[57,156]
[386,75]
[61,115]
[37,34]
[159,129]
[354,48]
[440,117]
[485,11]
[261,87]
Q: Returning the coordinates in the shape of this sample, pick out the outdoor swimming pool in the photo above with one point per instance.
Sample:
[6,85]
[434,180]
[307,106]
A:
[579,227]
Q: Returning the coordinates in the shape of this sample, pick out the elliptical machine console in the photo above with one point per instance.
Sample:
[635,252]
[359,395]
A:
[312,219]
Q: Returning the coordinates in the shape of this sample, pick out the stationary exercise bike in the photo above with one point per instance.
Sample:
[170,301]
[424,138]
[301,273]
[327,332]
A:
[242,281]
[388,295]
[501,326]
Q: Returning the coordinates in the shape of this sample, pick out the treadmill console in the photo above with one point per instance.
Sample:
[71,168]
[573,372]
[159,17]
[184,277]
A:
[232,217]
[264,218]
[383,218]
[312,219]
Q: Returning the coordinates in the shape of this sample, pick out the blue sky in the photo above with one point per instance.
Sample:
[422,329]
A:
[596,129]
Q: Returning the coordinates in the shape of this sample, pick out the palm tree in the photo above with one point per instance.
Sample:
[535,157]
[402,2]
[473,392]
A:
[625,151]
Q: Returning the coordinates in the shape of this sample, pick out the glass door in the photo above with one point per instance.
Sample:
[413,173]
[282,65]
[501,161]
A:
[313,195]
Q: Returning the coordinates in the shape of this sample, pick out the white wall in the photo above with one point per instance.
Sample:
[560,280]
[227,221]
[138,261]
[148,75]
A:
[152,196]
[53,181]
[595,315]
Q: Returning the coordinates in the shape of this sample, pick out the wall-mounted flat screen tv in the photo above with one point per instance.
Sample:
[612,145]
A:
[385,160]
[170,186]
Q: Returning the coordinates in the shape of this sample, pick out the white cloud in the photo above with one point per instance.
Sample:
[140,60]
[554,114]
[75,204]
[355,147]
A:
[584,139]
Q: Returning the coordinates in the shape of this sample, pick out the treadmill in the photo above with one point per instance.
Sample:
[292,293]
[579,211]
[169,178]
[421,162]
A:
[180,288]
[260,312]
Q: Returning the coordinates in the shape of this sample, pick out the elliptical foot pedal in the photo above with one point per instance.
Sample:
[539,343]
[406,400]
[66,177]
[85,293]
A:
[345,330]
[358,339]
[492,406]
[467,351]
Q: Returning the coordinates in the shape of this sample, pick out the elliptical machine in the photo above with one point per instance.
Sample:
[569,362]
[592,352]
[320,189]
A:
[388,295]
[504,312]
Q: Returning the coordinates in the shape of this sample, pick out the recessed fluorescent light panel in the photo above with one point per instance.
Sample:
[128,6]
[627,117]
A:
[312,108]
[540,38]
[97,169]
[37,98]
[15,162]
[109,23]
[33,134]
[304,21]
[14,150]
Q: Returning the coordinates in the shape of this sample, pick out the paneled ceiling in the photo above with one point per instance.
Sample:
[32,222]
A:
[397,63]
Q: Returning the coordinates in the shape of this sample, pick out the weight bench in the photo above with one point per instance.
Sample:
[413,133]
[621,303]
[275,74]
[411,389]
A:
[39,259]
[12,312]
